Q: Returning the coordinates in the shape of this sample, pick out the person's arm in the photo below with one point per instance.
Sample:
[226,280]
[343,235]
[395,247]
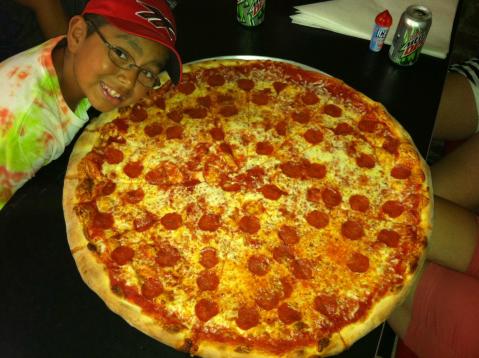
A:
[50,15]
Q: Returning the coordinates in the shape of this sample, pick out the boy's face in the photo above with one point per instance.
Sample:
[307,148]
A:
[104,83]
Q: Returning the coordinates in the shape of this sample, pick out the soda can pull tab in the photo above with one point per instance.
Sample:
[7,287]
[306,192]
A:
[382,24]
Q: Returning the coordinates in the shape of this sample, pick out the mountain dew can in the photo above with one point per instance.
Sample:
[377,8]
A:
[410,35]
[250,12]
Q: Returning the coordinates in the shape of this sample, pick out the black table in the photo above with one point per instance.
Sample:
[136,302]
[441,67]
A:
[45,308]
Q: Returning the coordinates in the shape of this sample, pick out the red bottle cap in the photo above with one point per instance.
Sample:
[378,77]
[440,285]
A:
[384,19]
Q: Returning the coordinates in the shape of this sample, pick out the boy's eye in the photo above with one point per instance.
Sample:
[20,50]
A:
[120,54]
[148,74]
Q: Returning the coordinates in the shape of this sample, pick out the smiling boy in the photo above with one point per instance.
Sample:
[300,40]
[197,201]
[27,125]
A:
[110,57]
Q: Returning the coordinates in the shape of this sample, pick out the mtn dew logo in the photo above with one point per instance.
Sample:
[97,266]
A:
[250,12]
[413,46]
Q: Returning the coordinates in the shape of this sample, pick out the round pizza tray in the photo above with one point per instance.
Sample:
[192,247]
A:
[257,58]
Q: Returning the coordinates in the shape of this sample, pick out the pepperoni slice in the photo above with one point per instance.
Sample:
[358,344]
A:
[160,102]
[302,117]
[288,234]
[154,129]
[281,127]
[174,132]
[279,86]
[260,98]
[207,280]
[144,222]
[389,237]
[113,156]
[223,98]
[317,219]
[359,203]
[393,208]
[313,136]
[365,161]
[264,148]
[310,98]
[313,195]
[367,125]
[268,299]
[245,84]
[156,176]
[196,112]
[216,80]
[391,145]
[283,252]
[134,196]
[352,230]
[400,172]
[204,101]
[133,169]
[316,170]
[249,224]
[121,124]
[167,255]
[326,304]
[292,169]
[229,110]
[175,115]
[358,263]
[102,220]
[333,110]
[331,197]
[302,269]
[272,192]
[217,133]
[208,257]
[138,113]
[259,265]
[209,222]
[288,315]
[186,87]
[107,188]
[171,221]
[287,287]
[343,129]
[248,317]
[122,255]
[206,309]
[151,288]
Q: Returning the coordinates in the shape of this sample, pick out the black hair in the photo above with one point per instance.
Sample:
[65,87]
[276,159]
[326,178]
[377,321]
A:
[98,20]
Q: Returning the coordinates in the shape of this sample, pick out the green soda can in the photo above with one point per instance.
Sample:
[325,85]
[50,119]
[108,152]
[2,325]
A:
[250,12]
[410,35]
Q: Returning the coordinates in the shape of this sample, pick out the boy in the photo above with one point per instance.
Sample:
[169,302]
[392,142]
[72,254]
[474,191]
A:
[110,57]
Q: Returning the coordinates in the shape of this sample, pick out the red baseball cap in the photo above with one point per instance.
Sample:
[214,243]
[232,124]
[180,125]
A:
[151,19]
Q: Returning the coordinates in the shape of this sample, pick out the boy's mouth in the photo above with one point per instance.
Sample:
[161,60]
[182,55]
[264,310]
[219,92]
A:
[110,92]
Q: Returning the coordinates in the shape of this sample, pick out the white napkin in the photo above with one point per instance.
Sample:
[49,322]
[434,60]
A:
[356,18]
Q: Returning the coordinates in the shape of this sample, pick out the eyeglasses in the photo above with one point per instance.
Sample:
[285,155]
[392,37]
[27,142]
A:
[123,59]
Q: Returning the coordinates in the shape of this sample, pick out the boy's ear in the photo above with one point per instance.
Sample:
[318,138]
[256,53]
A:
[77,33]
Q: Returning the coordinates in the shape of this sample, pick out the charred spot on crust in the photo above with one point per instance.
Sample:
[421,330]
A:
[243,349]
[323,343]
[175,328]
[188,346]
[91,247]
[117,290]
[413,265]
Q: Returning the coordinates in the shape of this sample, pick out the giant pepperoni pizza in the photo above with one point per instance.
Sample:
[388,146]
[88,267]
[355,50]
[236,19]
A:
[256,209]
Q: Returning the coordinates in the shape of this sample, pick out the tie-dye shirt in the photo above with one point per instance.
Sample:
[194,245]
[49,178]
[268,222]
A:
[36,124]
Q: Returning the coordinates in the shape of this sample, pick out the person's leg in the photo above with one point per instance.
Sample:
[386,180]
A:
[453,243]
[457,116]
[456,176]
[444,315]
